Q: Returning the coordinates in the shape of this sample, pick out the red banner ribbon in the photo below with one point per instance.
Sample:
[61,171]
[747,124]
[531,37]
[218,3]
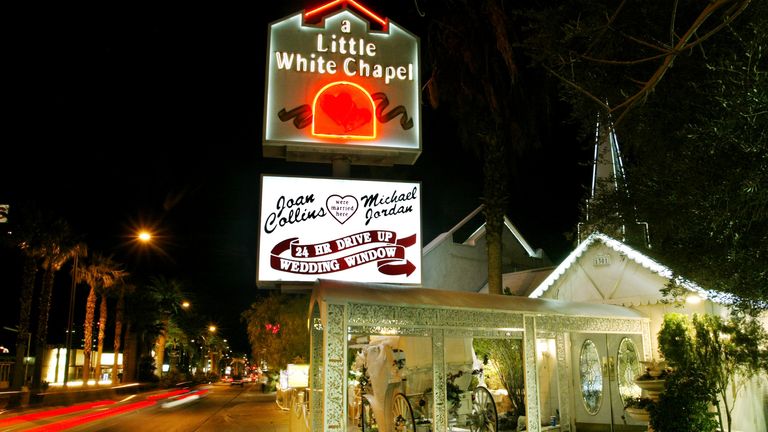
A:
[390,257]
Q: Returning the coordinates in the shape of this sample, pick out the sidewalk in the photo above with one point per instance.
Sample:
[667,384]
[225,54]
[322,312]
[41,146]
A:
[253,411]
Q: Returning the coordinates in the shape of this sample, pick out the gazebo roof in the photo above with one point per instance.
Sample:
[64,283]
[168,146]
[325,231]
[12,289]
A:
[344,292]
[634,255]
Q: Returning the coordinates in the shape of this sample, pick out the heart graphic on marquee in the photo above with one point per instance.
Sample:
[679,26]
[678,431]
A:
[344,111]
[341,207]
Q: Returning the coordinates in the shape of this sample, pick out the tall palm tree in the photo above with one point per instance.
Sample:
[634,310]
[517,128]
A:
[168,296]
[100,274]
[123,288]
[480,72]
[58,247]
[143,326]
[26,236]
[106,288]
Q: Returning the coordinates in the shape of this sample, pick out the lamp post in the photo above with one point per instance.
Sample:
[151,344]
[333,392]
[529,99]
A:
[212,330]
[69,321]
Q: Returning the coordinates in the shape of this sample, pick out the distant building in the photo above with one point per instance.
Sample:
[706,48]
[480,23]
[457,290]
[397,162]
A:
[456,260]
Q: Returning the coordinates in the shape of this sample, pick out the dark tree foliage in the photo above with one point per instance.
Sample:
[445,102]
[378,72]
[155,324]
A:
[277,329]
[687,83]
[507,364]
[482,81]
[684,404]
[712,360]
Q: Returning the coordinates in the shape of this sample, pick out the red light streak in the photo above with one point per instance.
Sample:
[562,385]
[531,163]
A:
[54,412]
[88,418]
[194,393]
[367,12]
[166,394]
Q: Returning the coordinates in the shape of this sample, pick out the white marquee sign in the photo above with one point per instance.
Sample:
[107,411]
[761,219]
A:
[350,230]
[342,82]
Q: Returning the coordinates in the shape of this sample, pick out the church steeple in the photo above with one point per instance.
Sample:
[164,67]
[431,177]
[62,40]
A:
[607,168]
[608,178]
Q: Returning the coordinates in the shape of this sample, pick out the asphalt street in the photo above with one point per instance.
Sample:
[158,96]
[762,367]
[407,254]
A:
[214,408]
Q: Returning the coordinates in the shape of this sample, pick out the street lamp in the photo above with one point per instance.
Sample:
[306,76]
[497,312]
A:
[144,236]
[212,330]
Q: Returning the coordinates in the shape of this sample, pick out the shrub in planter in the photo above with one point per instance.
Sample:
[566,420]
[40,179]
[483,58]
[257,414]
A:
[639,403]
[711,357]
[684,404]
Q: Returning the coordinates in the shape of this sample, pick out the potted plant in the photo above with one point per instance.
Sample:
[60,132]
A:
[652,380]
[655,369]
[639,408]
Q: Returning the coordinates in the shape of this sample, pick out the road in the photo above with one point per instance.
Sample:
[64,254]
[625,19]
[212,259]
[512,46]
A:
[220,409]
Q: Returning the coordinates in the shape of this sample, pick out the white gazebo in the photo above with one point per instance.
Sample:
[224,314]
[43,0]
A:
[340,310]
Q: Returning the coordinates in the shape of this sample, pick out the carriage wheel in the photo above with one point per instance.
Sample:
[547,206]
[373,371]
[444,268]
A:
[367,422]
[484,413]
[402,414]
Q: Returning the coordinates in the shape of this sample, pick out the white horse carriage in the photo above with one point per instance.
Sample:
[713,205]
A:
[393,391]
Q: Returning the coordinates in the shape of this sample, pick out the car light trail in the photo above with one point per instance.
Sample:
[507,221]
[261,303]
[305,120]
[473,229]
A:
[191,396]
[88,418]
[53,413]
[166,395]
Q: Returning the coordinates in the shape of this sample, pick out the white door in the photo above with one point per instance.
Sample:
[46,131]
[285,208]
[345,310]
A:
[603,368]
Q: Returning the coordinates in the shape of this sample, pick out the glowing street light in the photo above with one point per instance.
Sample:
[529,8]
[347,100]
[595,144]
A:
[185,304]
[144,236]
[212,328]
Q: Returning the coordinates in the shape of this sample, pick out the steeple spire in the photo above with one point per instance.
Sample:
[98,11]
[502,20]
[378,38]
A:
[607,168]
[608,178]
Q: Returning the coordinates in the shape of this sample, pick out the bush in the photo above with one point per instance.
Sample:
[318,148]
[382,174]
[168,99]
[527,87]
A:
[684,404]
[201,377]
[639,402]
[147,370]
[271,384]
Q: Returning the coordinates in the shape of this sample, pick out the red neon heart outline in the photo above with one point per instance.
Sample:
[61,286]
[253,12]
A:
[344,111]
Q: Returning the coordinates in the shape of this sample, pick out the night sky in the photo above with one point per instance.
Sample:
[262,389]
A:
[125,116]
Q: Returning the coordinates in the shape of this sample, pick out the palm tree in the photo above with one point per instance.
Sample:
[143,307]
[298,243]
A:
[123,288]
[100,274]
[485,81]
[107,286]
[26,237]
[141,330]
[474,60]
[57,247]
[179,341]
[168,296]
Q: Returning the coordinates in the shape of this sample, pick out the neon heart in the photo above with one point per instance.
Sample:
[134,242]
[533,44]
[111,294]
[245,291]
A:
[341,207]
[344,111]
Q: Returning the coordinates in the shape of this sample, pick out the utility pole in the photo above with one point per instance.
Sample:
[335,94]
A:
[69,322]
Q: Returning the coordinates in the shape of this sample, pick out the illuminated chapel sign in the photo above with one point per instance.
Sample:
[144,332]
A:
[341,81]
